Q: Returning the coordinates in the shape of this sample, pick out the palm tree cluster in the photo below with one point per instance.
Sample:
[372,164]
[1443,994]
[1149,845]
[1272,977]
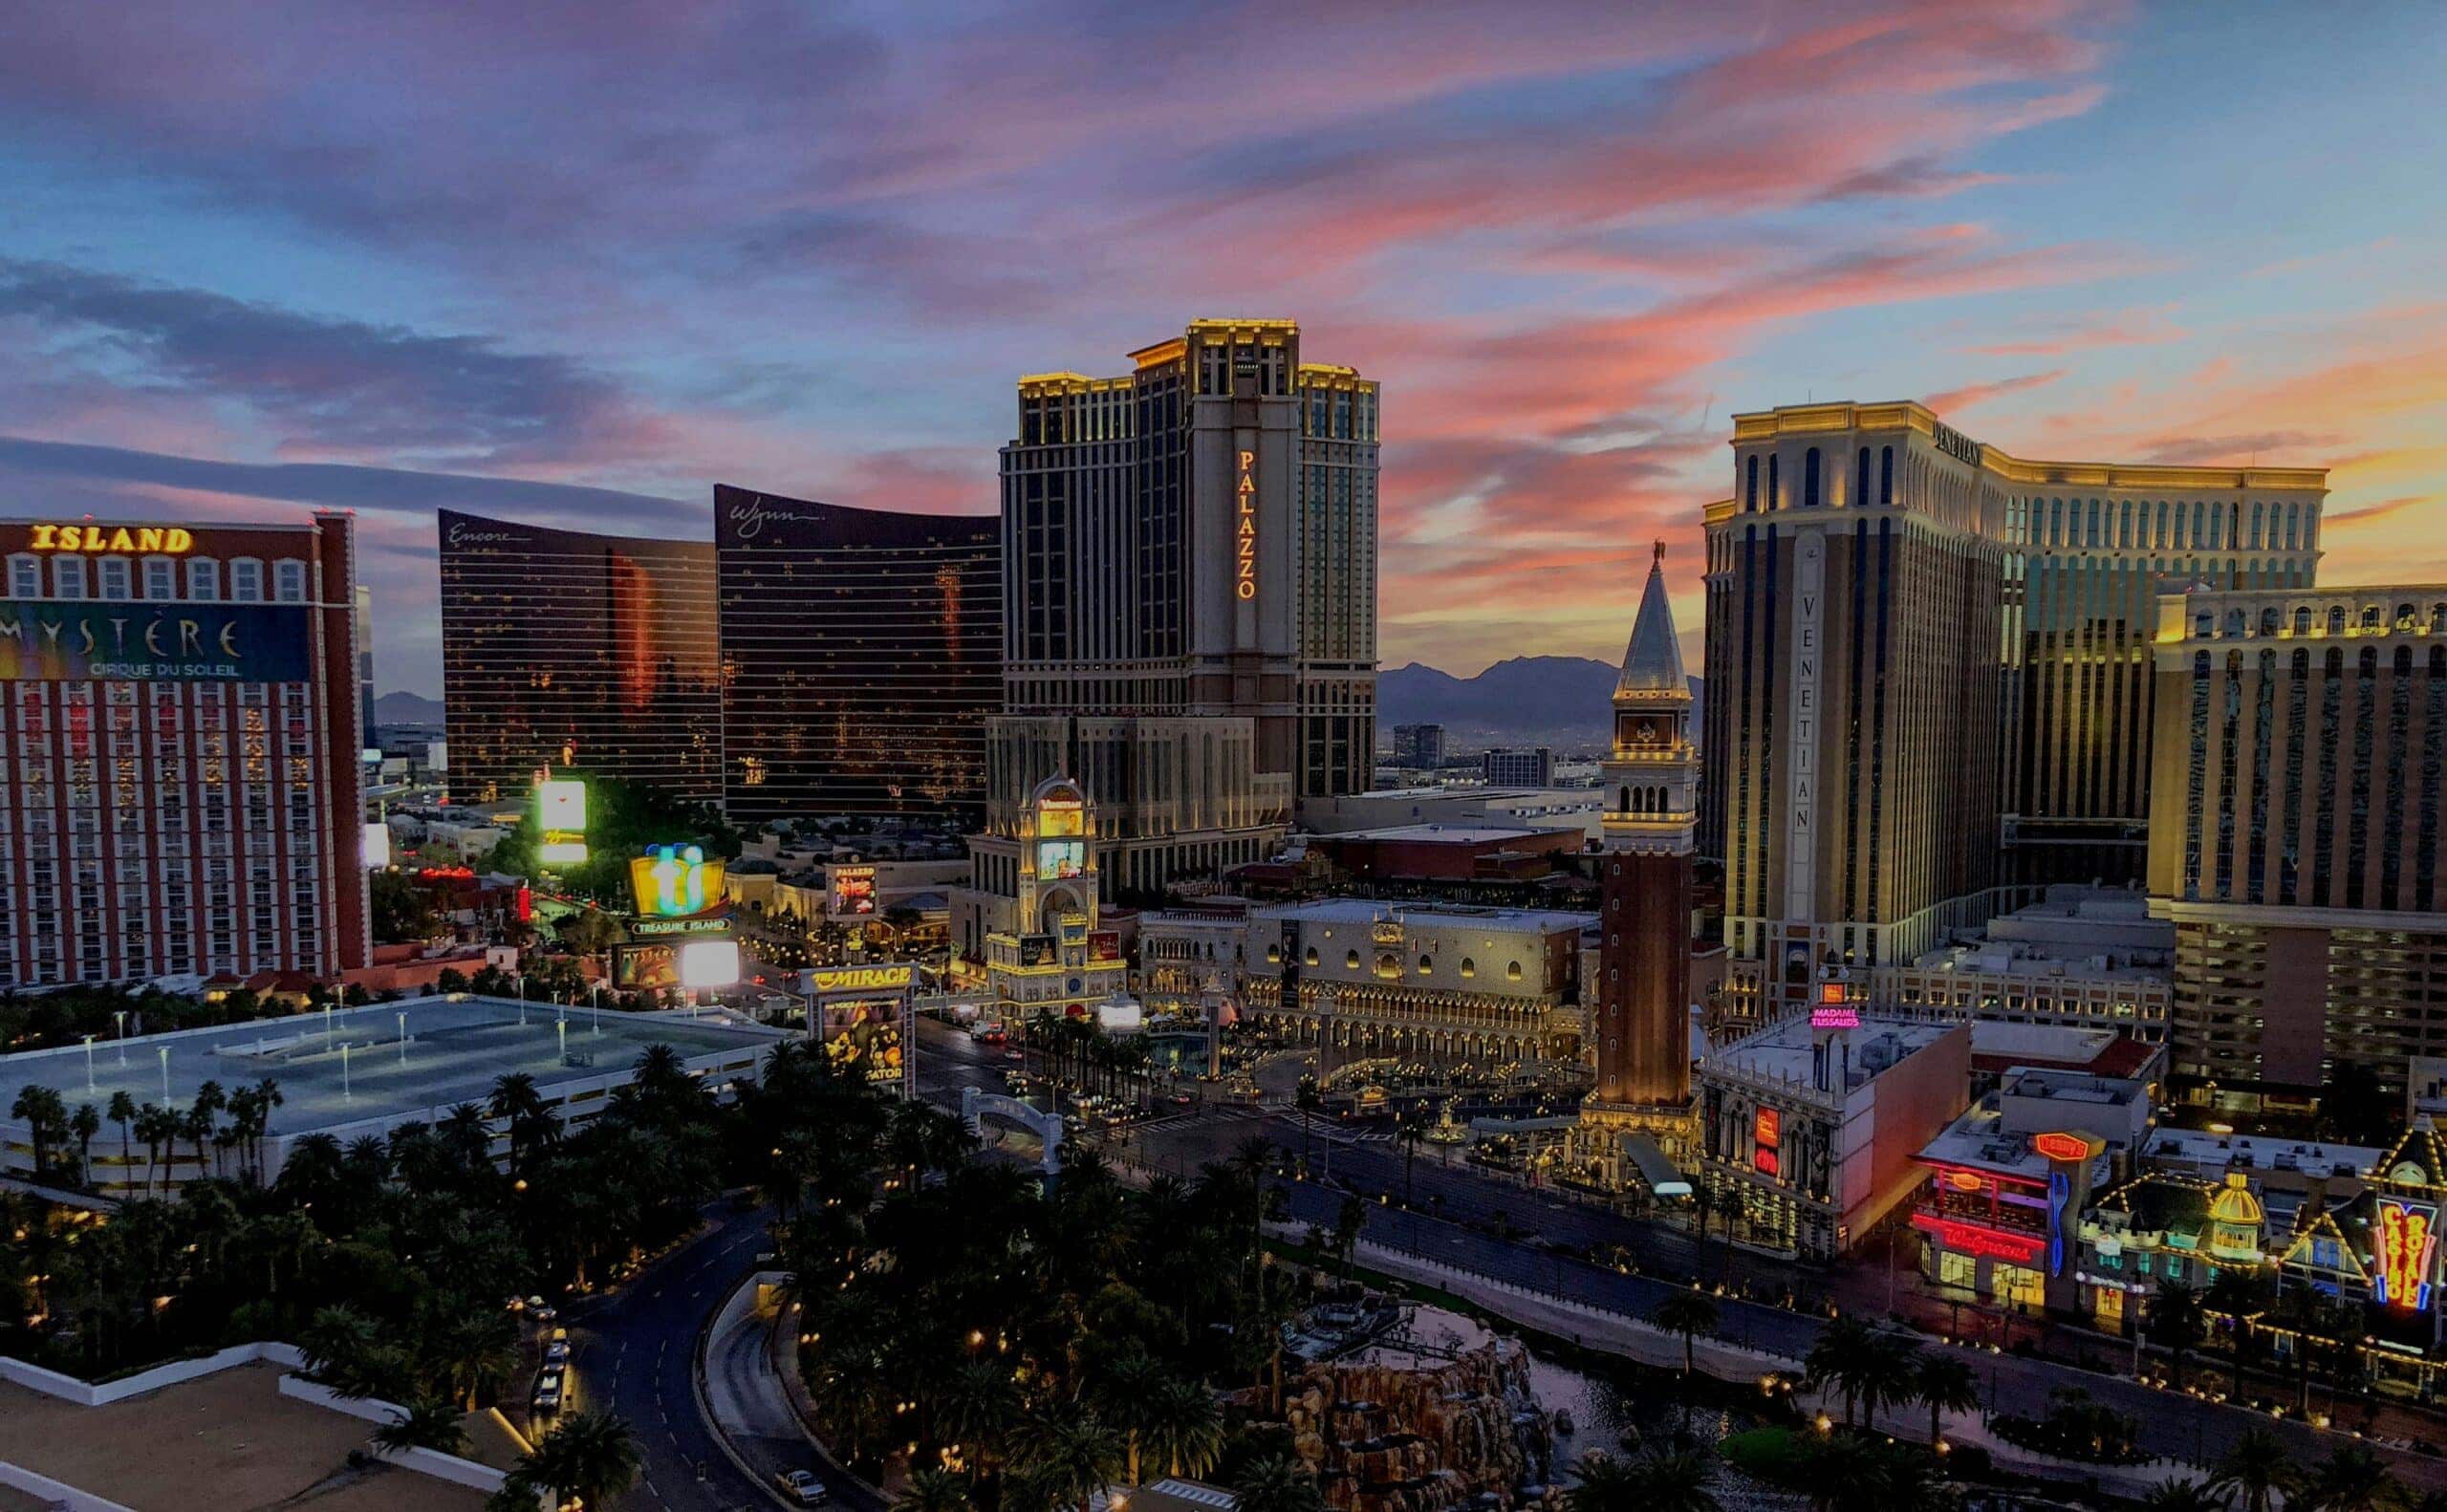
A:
[588,1460]
[2259,1472]
[1079,1052]
[1017,1349]
[1874,1367]
[388,1259]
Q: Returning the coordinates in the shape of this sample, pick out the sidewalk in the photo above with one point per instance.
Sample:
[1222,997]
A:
[1597,1327]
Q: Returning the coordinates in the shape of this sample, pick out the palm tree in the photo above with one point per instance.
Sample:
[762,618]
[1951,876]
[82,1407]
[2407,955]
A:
[427,1425]
[2256,1470]
[2176,1495]
[1276,1483]
[1943,1382]
[157,1126]
[934,1490]
[520,1106]
[1185,1429]
[43,1111]
[1127,1395]
[1307,1099]
[1410,1127]
[1835,1357]
[85,1123]
[1654,1481]
[123,1113]
[201,1115]
[588,1458]
[2175,1324]
[1690,1314]
[1070,1456]
[2352,1479]
[1886,1374]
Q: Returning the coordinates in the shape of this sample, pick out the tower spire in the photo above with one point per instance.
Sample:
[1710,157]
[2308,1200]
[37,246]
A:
[1653,661]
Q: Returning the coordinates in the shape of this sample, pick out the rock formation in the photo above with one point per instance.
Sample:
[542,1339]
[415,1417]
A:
[1410,1434]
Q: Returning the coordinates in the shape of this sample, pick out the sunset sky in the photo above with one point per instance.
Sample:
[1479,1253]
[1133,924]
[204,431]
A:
[576,262]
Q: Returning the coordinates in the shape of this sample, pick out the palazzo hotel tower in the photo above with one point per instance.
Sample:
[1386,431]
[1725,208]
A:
[1189,559]
[1930,674]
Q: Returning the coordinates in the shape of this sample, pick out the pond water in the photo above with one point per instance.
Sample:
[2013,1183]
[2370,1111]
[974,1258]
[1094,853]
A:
[1606,1402]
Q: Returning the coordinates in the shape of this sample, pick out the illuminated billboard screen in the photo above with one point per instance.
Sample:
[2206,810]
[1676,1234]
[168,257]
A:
[862,1036]
[42,641]
[645,969]
[1061,858]
[854,890]
[1766,1133]
[560,804]
[1036,950]
[1104,946]
[1061,817]
[674,881]
[709,963]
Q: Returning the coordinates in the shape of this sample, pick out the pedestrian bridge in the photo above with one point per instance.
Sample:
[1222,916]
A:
[975,1107]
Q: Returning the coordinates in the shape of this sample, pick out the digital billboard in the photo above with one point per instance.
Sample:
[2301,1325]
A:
[645,969]
[44,640]
[854,890]
[1061,858]
[674,881]
[862,1035]
[1766,1137]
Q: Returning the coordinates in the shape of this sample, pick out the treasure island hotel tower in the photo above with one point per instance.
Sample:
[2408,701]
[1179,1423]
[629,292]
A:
[1189,556]
[1928,674]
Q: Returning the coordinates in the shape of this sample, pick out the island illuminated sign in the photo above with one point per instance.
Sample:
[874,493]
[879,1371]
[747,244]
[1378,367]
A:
[162,539]
[675,881]
[1247,583]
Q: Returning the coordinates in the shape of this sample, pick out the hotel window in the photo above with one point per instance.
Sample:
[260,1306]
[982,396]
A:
[1469,967]
[1886,475]
[114,577]
[247,580]
[161,577]
[203,577]
[1773,501]
[1750,484]
[1809,479]
[290,580]
[67,576]
[25,576]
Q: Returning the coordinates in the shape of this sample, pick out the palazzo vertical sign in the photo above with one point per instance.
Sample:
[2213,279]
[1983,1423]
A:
[1245,583]
[1800,794]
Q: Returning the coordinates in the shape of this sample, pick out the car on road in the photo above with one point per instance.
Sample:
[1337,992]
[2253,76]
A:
[557,1352]
[1183,1099]
[548,1391]
[801,1486]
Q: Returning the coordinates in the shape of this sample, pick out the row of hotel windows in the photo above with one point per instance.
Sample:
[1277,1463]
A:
[118,577]
[2201,524]
[2407,620]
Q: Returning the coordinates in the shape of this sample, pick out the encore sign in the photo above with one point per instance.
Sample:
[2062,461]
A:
[1245,585]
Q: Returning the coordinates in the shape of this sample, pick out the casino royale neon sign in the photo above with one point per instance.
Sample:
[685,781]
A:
[1245,584]
[111,538]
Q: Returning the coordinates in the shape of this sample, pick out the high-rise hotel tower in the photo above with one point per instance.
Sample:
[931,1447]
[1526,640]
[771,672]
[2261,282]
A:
[1190,598]
[1929,673]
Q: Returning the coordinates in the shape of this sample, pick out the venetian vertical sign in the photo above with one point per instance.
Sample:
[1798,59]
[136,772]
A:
[1245,531]
[1800,794]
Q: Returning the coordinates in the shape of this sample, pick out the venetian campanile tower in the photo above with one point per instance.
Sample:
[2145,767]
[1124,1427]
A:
[1643,1030]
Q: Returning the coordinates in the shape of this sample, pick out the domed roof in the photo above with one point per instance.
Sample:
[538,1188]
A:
[1653,661]
[2234,1203]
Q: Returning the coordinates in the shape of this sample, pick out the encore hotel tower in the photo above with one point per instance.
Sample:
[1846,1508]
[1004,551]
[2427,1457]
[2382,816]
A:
[565,649]
[1929,672]
[182,793]
[810,660]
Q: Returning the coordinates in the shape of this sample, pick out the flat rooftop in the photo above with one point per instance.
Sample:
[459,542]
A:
[229,1442]
[1367,911]
[1452,834]
[2210,1153]
[1783,1051]
[352,1065]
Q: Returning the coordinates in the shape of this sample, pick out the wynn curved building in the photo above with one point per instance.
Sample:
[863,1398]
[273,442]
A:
[568,649]
[861,652]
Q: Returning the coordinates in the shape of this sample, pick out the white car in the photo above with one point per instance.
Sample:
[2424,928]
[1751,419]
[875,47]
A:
[801,1486]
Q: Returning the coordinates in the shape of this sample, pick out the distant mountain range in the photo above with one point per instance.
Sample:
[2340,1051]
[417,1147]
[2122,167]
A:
[407,708]
[1566,703]
[1562,701]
